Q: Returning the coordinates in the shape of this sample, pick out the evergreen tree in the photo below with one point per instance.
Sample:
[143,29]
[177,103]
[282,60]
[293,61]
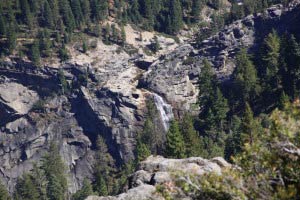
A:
[84,192]
[123,35]
[142,151]
[134,12]
[155,46]
[47,15]
[86,10]
[63,54]
[207,82]
[191,137]
[54,169]
[291,66]
[11,38]
[67,15]
[77,12]
[101,186]
[4,195]
[233,142]
[45,43]
[249,127]
[174,20]
[270,58]
[40,181]
[25,189]
[103,168]
[26,13]
[196,8]
[84,47]
[245,77]
[175,146]
[55,190]
[107,34]
[35,53]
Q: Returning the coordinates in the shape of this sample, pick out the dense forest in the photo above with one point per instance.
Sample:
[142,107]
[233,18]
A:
[42,28]
[235,119]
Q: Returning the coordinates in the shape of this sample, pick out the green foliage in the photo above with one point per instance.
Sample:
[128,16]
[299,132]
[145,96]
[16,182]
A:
[63,54]
[191,137]
[268,168]
[175,146]
[4,195]
[245,77]
[63,82]
[55,172]
[103,169]
[84,192]
[35,53]
[25,189]
[84,47]
[142,150]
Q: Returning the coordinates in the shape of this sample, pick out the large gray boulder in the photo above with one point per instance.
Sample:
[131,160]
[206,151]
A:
[15,100]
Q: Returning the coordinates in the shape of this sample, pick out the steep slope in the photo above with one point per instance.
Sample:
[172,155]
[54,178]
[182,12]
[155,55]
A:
[108,98]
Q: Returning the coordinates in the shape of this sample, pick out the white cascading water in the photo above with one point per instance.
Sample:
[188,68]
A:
[165,111]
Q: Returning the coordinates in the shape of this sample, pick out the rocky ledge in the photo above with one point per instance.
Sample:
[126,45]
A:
[157,170]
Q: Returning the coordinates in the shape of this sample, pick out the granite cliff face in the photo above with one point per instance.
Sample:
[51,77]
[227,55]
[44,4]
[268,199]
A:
[111,100]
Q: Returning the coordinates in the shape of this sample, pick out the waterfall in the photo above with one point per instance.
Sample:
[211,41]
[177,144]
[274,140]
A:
[164,109]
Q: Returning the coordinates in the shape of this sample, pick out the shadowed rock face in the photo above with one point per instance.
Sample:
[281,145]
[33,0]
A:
[112,104]
[159,170]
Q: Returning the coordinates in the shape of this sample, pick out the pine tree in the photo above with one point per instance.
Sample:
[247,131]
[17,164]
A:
[233,142]
[142,150]
[54,169]
[245,77]
[123,35]
[4,195]
[67,15]
[55,190]
[84,47]
[45,43]
[35,53]
[101,186]
[220,108]
[86,10]
[40,181]
[84,192]
[47,15]
[103,168]
[11,38]
[207,82]
[155,46]
[291,66]
[77,12]
[25,189]
[107,34]
[134,12]
[26,13]
[191,137]
[63,54]
[175,146]
[249,127]
[270,59]
[196,8]
[174,20]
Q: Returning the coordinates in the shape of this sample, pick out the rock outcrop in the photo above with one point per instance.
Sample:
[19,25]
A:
[157,170]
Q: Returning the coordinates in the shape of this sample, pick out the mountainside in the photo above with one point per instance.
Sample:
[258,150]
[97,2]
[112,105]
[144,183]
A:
[105,93]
